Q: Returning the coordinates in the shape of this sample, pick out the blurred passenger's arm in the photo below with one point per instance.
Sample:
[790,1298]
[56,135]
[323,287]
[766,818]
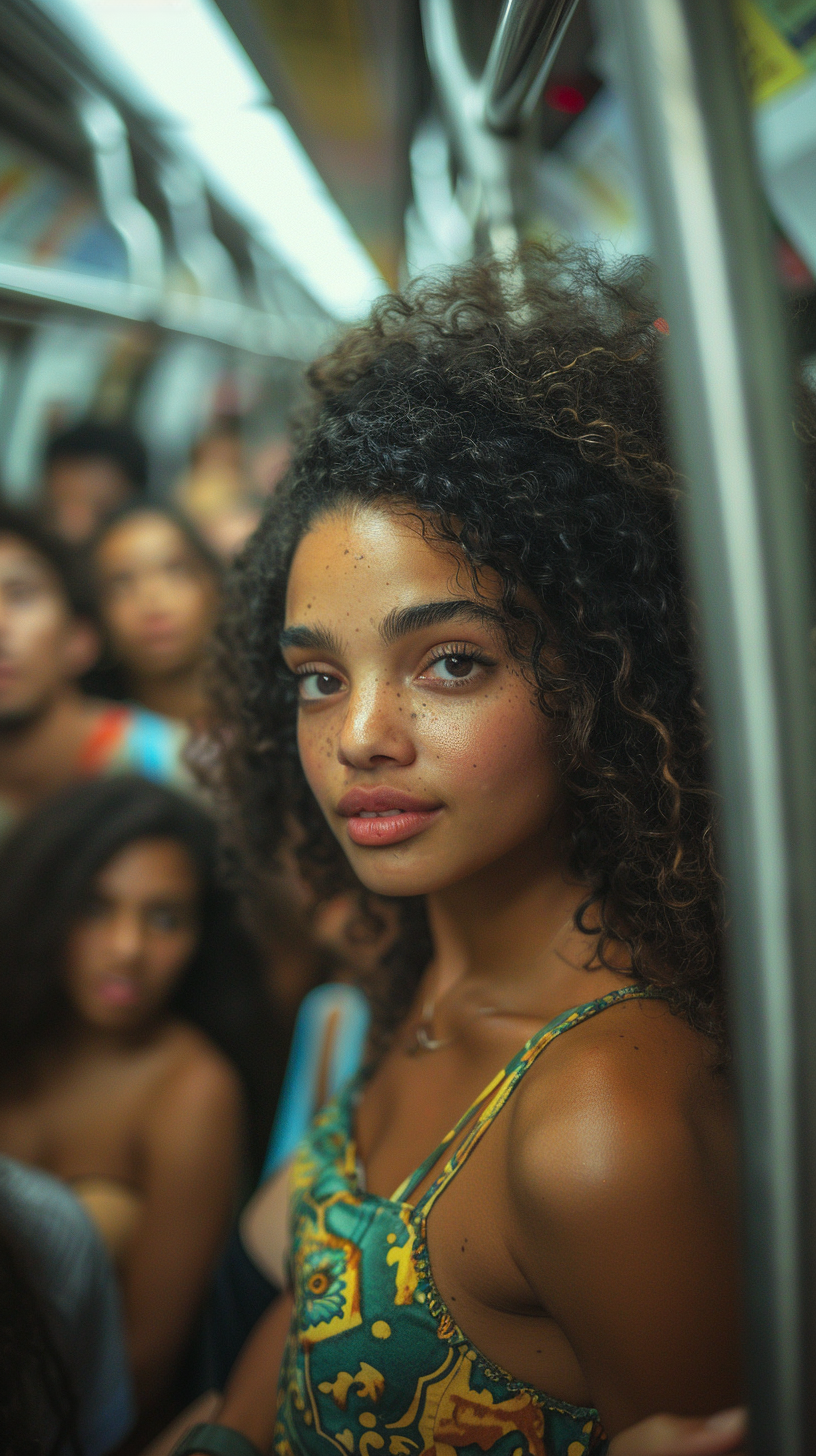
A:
[250,1402]
[192,1157]
[203,1410]
[265,1226]
[722,1435]
[251,1397]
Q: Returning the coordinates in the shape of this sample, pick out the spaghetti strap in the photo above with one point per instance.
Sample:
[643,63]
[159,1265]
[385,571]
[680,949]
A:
[492,1099]
[365,1300]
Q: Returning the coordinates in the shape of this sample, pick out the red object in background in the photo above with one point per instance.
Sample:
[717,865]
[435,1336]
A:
[792,270]
[561,96]
[661,326]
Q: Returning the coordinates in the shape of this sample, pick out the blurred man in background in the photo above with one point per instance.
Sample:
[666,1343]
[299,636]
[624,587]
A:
[50,732]
[91,470]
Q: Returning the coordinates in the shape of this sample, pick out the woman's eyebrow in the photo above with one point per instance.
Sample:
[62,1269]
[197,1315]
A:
[435,614]
[399,623]
[313,639]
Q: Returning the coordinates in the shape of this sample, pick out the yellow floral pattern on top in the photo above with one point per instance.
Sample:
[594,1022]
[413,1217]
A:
[375,1362]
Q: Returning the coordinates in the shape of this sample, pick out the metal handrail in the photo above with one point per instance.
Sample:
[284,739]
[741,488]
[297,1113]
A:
[481,110]
[729,372]
[219,320]
[485,158]
[116,185]
[521,57]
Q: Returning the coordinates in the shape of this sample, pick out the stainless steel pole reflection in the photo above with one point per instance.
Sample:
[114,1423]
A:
[484,111]
[524,48]
[730,387]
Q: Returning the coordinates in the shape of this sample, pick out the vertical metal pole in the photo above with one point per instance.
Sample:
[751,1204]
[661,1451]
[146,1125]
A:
[730,389]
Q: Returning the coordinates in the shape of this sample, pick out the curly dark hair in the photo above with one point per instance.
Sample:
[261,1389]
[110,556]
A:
[517,408]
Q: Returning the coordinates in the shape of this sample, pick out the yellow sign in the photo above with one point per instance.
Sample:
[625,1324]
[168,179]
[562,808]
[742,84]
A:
[770,63]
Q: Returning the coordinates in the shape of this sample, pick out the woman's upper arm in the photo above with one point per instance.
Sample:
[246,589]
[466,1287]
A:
[192,1148]
[628,1239]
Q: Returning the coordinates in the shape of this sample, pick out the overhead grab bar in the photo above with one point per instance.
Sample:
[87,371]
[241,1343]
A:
[729,373]
[480,110]
[208,261]
[137,228]
[521,57]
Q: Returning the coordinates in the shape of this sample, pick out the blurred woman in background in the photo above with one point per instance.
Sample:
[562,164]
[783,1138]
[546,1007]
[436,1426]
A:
[159,594]
[125,978]
[51,732]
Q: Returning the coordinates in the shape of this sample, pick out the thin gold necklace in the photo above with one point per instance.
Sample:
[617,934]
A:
[423,1039]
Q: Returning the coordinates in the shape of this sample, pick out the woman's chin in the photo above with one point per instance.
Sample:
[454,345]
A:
[394,873]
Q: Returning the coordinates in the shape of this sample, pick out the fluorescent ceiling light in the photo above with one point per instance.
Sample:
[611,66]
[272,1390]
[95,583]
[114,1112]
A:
[179,62]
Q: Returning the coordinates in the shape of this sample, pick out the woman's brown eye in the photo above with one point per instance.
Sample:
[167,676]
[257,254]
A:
[316,685]
[453,668]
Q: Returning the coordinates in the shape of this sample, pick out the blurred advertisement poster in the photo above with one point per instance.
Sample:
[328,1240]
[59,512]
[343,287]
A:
[779,43]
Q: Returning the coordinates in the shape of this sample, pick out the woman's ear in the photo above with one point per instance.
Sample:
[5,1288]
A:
[83,647]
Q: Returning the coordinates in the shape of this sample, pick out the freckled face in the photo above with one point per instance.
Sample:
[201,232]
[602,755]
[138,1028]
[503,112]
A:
[418,733]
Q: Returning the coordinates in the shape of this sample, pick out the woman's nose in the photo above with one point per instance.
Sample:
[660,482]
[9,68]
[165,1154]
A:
[126,937]
[376,728]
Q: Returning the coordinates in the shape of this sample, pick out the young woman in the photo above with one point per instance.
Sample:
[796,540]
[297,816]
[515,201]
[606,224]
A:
[129,996]
[159,594]
[460,655]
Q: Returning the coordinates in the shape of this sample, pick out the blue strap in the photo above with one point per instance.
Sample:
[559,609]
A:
[298,1099]
[153,746]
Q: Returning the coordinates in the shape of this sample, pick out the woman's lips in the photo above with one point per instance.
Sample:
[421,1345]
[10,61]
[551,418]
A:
[159,635]
[379,817]
[117,991]
[391,828]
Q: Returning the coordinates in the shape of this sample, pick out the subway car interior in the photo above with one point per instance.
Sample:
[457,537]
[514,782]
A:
[407,418]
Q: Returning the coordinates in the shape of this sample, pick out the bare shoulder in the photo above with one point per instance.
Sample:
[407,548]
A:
[633,1096]
[194,1081]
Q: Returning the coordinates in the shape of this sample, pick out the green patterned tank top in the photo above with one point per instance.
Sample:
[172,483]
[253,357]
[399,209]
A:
[374,1361]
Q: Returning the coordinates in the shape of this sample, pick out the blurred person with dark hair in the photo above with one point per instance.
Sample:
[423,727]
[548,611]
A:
[64,1381]
[90,470]
[159,587]
[131,1001]
[50,732]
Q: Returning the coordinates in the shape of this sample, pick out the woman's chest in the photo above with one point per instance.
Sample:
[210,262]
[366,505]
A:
[467,1244]
[378,1283]
[472,1244]
[415,1100]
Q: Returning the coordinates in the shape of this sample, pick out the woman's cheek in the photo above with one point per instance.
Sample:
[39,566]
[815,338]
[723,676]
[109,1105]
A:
[489,744]
[318,752]
[171,961]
